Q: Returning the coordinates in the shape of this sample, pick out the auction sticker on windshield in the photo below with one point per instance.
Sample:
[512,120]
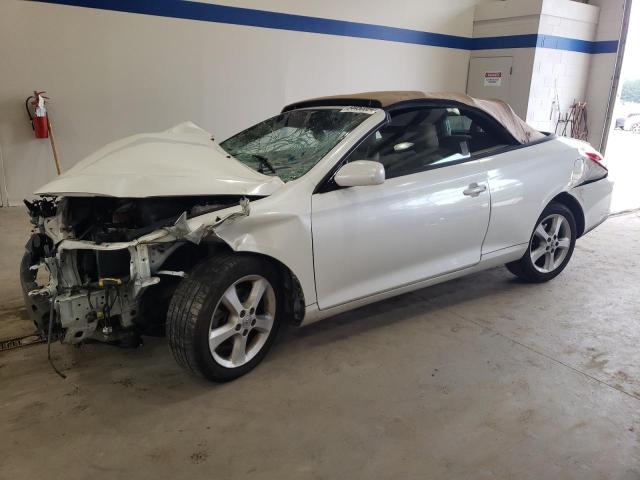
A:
[368,111]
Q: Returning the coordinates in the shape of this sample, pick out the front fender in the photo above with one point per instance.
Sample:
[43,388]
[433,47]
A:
[285,237]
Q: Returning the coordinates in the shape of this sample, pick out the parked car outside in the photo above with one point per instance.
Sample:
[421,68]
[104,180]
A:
[630,122]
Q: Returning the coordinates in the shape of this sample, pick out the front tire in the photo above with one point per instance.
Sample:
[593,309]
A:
[224,316]
[550,247]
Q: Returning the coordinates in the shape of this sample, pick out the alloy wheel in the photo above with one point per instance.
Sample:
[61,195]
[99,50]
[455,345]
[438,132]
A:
[242,320]
[550,243]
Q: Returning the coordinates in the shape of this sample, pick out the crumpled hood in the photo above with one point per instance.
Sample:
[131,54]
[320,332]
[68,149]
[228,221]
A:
[180,161]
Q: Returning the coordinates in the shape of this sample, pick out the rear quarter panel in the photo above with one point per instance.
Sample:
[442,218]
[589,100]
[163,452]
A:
[522,182]
[595,200]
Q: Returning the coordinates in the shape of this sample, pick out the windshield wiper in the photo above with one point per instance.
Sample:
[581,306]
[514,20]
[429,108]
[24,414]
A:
[264,161]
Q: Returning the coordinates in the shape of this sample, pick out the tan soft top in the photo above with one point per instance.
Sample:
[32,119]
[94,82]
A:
[498,109]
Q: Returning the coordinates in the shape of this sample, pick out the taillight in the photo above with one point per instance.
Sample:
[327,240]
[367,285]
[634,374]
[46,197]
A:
[595,156]
[588,168]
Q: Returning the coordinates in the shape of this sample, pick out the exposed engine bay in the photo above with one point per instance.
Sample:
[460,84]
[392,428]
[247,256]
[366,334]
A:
[94,259]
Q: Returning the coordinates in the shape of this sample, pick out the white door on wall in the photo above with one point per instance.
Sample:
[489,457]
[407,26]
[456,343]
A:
[490,78]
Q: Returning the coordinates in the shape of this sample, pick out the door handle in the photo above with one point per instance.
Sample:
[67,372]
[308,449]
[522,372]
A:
[473,190]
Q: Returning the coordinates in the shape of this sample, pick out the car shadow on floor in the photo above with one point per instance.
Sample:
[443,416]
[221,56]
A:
[398,309]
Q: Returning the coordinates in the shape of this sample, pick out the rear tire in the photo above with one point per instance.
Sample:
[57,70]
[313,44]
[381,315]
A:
[224,316]
[550,246]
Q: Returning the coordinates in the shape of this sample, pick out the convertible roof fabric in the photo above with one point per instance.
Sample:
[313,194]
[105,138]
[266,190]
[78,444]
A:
[501,111]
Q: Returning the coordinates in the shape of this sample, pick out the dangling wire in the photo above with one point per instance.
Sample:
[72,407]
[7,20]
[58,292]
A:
[51,319]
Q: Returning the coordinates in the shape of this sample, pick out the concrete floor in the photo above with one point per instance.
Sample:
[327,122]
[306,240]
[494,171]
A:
[480,378]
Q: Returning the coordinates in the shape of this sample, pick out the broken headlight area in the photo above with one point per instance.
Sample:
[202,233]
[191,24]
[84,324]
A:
[107,219]
[95,259]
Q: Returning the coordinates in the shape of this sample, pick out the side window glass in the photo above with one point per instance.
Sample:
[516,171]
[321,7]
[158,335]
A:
[425,138]
[413,141]
[480,134]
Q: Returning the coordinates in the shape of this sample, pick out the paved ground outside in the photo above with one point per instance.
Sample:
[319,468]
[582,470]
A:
[622,157]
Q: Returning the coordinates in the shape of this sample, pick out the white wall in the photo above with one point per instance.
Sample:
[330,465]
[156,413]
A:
[113,74]
[560,76]
[559,80]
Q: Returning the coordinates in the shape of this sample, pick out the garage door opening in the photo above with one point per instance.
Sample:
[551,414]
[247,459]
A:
[623,142]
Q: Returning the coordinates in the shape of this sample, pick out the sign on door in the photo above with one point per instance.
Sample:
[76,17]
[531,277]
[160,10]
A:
[493,79]
[490,77]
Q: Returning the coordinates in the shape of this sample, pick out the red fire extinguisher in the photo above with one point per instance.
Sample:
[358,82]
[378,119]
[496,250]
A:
[39,120]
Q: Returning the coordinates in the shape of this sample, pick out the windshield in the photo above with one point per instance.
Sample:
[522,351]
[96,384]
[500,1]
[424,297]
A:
[289,144]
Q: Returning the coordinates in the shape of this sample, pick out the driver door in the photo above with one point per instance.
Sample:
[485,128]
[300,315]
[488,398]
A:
[428,218]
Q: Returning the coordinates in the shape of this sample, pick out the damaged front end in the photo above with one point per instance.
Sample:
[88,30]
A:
[109,265]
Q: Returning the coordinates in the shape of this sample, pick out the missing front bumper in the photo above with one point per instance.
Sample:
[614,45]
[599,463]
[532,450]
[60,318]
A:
[89,306]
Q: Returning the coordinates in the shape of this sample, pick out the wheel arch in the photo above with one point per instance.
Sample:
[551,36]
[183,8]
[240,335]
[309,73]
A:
[572,204]
[294,301]
[293,292]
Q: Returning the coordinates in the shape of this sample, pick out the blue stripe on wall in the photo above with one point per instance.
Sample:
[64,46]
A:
[510,41]
[284,21]
[605,46]
[544,41]
[563,43]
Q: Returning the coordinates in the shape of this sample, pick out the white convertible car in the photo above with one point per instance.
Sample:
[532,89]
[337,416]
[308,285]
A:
[334,203]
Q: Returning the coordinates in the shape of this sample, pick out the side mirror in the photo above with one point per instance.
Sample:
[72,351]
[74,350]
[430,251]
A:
[360,173]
